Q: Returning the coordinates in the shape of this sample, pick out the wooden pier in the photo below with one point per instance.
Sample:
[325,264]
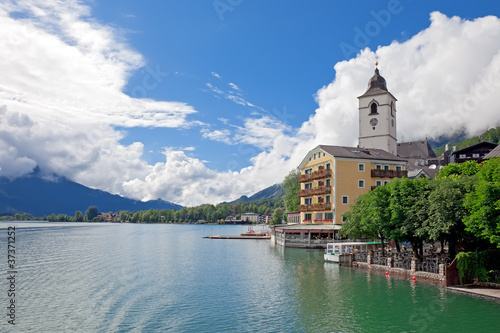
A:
[237,237]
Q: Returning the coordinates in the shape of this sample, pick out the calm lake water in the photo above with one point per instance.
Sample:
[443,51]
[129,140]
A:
[167,278]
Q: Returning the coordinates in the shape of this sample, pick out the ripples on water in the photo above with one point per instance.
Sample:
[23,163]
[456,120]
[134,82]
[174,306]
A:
[150,278]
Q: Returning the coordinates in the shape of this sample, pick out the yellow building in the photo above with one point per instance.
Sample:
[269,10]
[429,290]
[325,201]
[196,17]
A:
[332,177]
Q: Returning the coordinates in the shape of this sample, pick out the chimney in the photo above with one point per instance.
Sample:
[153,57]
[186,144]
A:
[454,148]
[446,147]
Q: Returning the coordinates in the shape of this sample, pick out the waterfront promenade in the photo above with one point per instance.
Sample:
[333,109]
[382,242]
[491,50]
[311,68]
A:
[478,291]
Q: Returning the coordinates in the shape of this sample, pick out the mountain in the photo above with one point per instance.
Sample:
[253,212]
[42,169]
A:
[460,140]
[38,197]
[272,192]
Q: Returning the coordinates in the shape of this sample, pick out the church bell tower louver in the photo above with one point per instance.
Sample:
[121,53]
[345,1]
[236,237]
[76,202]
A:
[377,116]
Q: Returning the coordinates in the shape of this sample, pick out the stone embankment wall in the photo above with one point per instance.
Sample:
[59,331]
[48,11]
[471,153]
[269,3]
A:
[439,278]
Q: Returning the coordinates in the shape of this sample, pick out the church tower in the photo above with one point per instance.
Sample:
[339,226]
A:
[377,116]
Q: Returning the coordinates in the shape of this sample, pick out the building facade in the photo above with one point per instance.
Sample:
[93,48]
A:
[332,177]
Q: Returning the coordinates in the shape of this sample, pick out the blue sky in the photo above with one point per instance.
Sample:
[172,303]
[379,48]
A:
[205,101]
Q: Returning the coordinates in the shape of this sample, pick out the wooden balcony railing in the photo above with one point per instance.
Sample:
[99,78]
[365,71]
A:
[377,173]
[315,207]
[315,175]
[315,191]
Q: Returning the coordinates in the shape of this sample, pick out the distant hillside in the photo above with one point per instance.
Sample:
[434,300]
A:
[272,192]
[460,140]
[39,197]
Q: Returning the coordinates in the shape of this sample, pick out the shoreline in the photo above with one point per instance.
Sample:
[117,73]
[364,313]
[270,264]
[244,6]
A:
[477,290]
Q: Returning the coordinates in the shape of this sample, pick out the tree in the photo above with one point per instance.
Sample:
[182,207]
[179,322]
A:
[468,168]
[446,210]
[291,186]
[369,216]
[91,213]
[408,204]
[277,216]
[78,216]
[483,203]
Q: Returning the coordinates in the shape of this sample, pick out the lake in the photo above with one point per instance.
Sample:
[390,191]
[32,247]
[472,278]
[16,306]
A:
[81,277]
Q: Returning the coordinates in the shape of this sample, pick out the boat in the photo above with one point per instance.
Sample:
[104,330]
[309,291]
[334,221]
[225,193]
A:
[333,251]
[254,233]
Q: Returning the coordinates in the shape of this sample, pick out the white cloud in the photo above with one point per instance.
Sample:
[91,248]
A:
[61,90]
[234,86]
[217,135]
[63,75]
[445,78]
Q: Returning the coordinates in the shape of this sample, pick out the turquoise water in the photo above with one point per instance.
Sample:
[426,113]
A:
[167,278]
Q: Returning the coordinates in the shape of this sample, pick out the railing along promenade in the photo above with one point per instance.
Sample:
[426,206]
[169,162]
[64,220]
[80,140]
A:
[432,265]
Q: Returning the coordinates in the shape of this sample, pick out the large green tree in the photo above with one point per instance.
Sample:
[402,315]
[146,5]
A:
[369,216]
[277,216]
[409,210]
[447,210]
[291,186]
[78,216]
[483,203]
[91,213]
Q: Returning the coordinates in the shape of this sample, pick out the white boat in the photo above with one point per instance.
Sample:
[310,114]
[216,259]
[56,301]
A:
[335,250]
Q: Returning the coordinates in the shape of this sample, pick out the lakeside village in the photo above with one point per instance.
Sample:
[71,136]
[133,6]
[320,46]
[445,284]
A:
[384,205]
[397,207]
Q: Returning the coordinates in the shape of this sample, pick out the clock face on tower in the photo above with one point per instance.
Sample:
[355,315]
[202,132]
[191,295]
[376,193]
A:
[373,121]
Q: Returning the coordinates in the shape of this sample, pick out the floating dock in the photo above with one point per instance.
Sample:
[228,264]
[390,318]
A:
[237,237]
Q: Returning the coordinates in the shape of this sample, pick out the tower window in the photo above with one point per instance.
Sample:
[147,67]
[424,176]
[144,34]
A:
[373,108]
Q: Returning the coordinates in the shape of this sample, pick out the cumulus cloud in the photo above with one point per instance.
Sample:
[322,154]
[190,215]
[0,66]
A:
[445,78]
[61,89]
[62,100]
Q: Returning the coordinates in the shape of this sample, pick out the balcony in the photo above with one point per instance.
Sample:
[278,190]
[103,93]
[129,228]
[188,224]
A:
[324,173]
[377,173]
[315,207]
[315,191]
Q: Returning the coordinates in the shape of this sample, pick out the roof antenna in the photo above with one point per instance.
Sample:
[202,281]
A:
[376,61]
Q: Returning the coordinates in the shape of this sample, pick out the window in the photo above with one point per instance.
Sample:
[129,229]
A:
[328,216]
[345,199]
[328,182]
[378,183]
[361,167]
[308,201]
[308,186]
[373,108]
[386,167]
[386,182]
[308,171]
[343,219]
[361,183]
[324,154]
[475,155]
[314,156]
[327,199]
[318,216]
[378,167]
[398,168]
[462,156]
[307,216]
[328,166]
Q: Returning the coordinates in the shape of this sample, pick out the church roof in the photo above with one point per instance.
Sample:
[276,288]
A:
[376,85]
[416,149]
[360,153]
